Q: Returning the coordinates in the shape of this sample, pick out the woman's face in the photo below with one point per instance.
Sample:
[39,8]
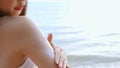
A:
[12,7]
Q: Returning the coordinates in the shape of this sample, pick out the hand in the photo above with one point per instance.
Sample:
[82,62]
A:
[60,57]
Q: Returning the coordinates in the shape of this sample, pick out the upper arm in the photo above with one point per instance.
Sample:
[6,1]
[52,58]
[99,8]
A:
[35,46]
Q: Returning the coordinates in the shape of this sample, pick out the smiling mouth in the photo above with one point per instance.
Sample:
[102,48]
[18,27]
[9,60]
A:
[19,8]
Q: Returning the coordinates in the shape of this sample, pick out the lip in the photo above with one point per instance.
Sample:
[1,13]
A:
[19,8]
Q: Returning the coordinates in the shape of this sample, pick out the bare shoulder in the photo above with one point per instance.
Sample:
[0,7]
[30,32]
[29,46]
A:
[32,42]
[17,28]
[21,31]
[15,23]
[14,18]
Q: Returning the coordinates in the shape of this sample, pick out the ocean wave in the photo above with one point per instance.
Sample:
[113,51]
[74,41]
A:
[93,61]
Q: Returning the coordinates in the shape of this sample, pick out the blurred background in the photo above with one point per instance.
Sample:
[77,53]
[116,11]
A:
[88,30]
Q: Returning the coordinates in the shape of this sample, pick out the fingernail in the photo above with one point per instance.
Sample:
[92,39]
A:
[57,60]
[60,65]
[64,66]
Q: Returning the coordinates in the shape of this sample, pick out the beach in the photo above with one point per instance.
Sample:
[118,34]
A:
[86,46]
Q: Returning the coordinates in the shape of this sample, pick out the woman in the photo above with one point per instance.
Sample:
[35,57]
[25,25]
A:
[21,40]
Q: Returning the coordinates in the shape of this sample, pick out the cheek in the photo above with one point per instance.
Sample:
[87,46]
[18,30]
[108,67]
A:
[10,5]
[7,7]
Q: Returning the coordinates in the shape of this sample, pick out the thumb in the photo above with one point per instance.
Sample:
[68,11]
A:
[49,38]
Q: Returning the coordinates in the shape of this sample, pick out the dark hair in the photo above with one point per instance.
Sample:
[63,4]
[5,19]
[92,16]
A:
[23,13]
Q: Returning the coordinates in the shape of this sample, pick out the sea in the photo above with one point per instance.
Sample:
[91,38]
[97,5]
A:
[88,31]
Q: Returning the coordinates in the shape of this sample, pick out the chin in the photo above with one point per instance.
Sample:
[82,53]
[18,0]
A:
[15,14]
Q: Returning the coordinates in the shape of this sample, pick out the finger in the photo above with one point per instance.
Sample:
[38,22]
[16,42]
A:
[67,66]
[57,53]
[50,36]
[61,62]
[56,58]
[55,47]
[64,64]
[62,58]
